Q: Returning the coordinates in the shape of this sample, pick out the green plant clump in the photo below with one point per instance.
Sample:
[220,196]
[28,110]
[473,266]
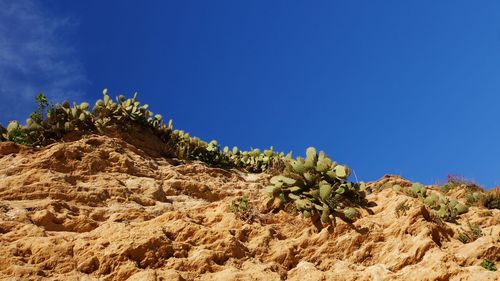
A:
[449,210]
[242,208]
[442,207]
[49,123]
[489,265]
[318,187]
[256,161]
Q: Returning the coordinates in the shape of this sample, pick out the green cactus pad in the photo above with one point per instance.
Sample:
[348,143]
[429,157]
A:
[318,207]
[351,213]
[303,204]
[298,166]
[310,177]
[341,172]
[306,214]
[325,215]
[283,179]
[461,208]
[325,191]
[429,201]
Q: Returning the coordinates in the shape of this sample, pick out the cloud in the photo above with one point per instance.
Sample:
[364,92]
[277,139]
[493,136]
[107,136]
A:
[35,57]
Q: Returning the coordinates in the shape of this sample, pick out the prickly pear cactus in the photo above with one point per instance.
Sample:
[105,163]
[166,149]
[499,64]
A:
[63,118]
[255,161]
[123,112]
[440,205]
[317,186]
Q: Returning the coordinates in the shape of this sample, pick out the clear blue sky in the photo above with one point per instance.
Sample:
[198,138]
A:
[403,87]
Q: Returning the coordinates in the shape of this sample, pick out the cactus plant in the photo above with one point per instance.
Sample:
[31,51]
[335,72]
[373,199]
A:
[449,210]
[317,185]
[441,206]
[419,190]
[432,200]
[255,160]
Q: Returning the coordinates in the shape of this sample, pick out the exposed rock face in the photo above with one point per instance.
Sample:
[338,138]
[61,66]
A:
[99,208]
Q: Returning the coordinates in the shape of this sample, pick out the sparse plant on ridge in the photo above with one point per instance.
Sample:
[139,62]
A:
[458,181]
[401,208]
[441,206]
[489,265]
[471,234]
[49,123]
[243,209]
[255,161]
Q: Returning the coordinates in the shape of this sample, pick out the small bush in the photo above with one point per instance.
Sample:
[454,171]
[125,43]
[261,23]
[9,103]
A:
[489,265]
[18,135]
[242,208]
[458,181]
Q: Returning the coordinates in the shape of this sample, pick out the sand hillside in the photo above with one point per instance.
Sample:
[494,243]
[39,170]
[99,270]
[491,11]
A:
[107,208]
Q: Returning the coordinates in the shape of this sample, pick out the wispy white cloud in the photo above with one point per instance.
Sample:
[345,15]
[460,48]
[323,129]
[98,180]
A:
[35,57]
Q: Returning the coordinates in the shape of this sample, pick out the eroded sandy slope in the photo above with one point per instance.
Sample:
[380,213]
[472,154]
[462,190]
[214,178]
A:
[101,208]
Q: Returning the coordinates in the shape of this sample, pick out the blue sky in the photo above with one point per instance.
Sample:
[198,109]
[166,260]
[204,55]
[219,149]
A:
[383,86]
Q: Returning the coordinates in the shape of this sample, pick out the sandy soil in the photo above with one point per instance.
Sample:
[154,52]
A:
[101,208]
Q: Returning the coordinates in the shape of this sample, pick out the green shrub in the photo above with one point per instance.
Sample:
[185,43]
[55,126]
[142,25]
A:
[49,123]
[17,133]
[256,161]
[242,208]
[489,265]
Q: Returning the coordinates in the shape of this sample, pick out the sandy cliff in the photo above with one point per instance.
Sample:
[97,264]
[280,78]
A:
[101,208]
